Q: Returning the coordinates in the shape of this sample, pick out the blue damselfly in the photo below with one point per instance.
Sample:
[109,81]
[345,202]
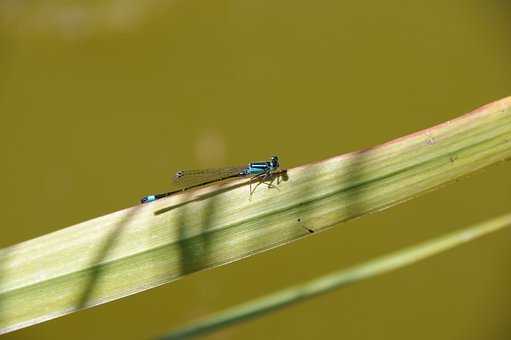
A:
[187,179]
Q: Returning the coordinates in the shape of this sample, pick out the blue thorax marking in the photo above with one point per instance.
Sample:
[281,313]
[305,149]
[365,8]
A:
[260,167]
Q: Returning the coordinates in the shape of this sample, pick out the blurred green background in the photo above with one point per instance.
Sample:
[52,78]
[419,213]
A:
[102,101]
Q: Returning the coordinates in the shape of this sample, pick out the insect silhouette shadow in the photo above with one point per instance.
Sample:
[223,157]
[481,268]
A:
[269,180]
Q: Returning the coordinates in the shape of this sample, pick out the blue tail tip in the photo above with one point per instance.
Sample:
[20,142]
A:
[147,199]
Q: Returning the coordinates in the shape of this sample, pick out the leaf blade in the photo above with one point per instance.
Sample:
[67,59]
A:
[141,247]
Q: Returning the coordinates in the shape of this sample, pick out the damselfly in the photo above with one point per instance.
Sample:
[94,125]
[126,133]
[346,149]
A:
[187,179]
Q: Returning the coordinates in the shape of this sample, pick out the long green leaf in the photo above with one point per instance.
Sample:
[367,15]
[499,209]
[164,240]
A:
[148,245]
[339,279]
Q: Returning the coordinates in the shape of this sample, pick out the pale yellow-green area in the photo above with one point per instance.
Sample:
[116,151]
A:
[141,247]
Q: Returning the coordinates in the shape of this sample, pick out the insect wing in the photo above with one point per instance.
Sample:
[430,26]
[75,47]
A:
[191,178]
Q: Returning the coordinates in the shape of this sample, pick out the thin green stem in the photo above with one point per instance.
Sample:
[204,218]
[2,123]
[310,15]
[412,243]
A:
[324,284]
